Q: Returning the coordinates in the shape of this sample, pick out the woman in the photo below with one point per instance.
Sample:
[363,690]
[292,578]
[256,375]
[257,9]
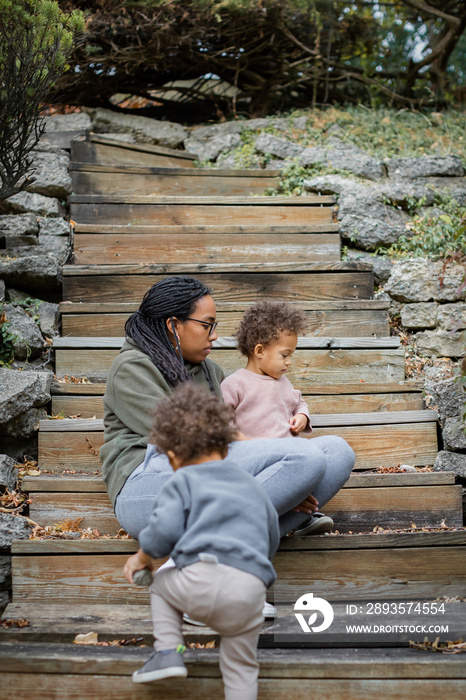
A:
[168,341]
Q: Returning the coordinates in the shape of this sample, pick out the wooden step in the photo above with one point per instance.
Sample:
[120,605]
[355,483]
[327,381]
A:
[131,248]
[59,623]
[376,439]
[248,282]
[172,210]
[310,366]
[395,503]
[93,406]
[64,139]
[369,567]
[324,318]
[145,180]
[38,671]
[98,149]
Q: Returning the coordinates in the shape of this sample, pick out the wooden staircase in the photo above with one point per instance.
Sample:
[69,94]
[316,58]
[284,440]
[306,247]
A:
[141,213]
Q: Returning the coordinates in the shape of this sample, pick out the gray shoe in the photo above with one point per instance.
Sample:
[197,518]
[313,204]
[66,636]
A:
[160,665]
[317,524]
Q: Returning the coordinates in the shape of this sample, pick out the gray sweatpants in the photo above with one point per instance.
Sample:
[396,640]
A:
[225,598]
[289,469]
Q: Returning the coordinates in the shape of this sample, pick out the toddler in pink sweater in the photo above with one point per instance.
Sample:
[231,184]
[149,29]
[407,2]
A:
[266,404]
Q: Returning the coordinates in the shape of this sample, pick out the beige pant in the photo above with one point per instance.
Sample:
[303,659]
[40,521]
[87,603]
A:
[224,598]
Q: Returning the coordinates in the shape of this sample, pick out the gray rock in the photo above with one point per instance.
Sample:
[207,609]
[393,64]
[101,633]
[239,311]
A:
[230,162]
[18,226]
[278,147]
[441,343]
[25,425]
[330,184]
[451,462]
[276,164]
[8,474]
[2,290]
[5,572]
[204,133]
[28,340]
[445,396]
[425,166]
[19,391]
[12,527]
[53,227]
[144,129]
[345,156]
[316,155]
[382,265]
[4,600]
[421,315]
[49,319]
[454,437]
[300,123]
[452,317]
[254,124]
[32,202]
[421,279]
[51,173]
[368,232]
[39,274]
[68,122]
[211,148]
[115,136]
[17,295]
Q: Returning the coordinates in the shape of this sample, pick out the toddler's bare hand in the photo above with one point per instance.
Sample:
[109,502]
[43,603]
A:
[298,423]
[137,561]
[309,505]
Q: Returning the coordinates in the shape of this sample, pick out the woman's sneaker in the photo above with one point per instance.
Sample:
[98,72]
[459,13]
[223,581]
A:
[317,524]
[161,665]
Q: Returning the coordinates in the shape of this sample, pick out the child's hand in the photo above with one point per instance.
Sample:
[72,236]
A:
[135,562]
[298,423]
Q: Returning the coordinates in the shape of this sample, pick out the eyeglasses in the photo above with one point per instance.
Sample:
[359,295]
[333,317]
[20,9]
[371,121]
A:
[210,326]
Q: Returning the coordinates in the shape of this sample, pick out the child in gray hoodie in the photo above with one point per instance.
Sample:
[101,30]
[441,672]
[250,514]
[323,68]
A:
[220,528]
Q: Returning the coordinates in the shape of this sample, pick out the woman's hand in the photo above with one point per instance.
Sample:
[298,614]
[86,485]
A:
[137,561]
[298,423]
[309,505]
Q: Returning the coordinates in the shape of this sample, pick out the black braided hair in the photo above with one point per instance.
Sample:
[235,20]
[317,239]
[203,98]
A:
[173,296]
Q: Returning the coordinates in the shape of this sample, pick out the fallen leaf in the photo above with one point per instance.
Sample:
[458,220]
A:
[89,638]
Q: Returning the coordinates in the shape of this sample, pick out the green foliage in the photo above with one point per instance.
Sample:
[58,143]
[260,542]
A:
[435,234]
[36,38]
[6,341]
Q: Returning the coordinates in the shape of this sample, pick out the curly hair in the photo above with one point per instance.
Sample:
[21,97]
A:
[192,423]
[265,321]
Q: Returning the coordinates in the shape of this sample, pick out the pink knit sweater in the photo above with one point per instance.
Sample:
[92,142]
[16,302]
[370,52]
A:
[263,405]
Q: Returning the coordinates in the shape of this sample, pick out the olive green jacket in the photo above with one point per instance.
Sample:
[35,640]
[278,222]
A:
[134,386]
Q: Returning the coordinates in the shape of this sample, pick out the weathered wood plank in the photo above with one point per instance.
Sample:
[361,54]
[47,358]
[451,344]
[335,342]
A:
[229,342]
[309,368]
[225,308]
[168,214]
[414,444]
[124,182]
[325,664]
[386,540]
[92,406]
[107,151]
[249,202]
[262,228]
[352,509]
[238,269]
[85,483]
[216,173]
[334,323]
[226,286]
[209,248]
[65,388]
[319,421]
[341,574]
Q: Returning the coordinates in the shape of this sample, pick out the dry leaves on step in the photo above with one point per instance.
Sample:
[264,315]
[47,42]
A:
[458,647]
[15,623]
[91,638]
[198,645]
